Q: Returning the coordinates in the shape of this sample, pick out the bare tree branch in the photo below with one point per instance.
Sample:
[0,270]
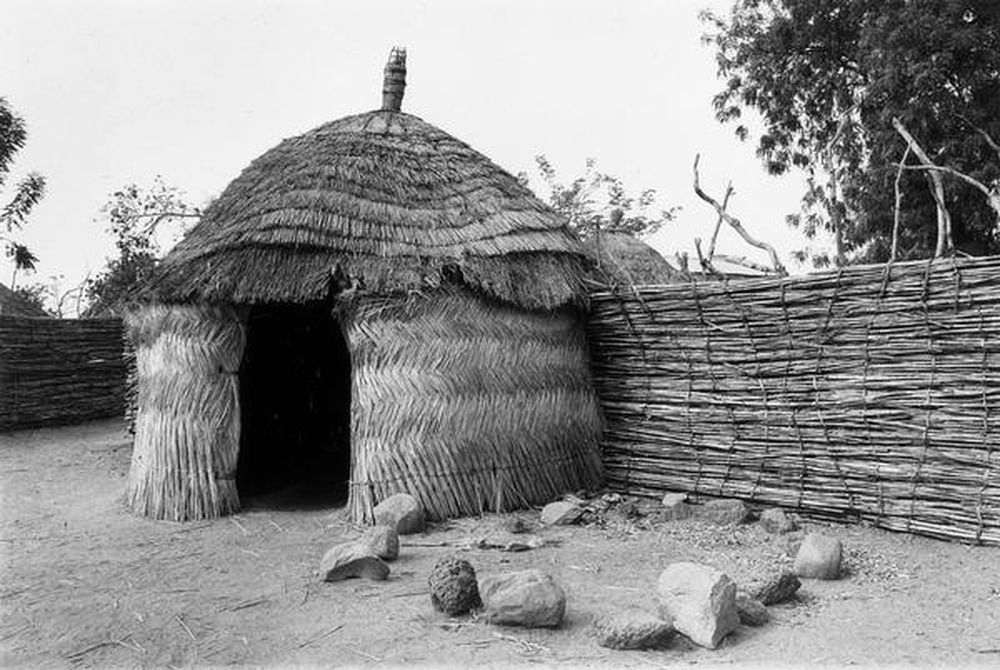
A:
[718,223]
[683,264]
[747,263]
[985,135]
[706,263]
[735,223]
[159,217]
[899,200]
[992,195]
[944,242]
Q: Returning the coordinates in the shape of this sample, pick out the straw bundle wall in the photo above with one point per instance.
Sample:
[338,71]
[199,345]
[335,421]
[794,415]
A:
[187,418]
[59,371]
[869,393]
[468,405]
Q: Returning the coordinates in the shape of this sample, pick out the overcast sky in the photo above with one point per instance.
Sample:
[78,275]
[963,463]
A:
[117,92]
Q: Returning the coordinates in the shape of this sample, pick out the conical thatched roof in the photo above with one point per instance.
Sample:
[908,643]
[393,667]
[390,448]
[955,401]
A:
[12,304]
[382,200]
[624,259]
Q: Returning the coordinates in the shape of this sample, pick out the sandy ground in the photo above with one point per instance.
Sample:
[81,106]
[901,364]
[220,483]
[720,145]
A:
[84,583]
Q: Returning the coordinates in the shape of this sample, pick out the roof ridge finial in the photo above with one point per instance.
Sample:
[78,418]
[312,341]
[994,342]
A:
[395,80]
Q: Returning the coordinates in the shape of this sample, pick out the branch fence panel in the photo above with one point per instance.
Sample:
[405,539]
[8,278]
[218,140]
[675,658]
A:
[869,393]
[60,371]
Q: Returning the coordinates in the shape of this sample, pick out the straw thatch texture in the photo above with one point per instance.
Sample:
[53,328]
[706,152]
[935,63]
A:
[870,393]
[468,405]
[187,421]
[382,200]
[59,371]
[623,260]
[12,304]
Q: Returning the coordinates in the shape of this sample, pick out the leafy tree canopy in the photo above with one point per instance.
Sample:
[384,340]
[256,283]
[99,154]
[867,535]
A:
[134,216]
[828,76]
[596,201]
[26,193]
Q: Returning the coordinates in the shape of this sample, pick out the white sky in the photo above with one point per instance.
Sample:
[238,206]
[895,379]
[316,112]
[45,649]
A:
[116,92]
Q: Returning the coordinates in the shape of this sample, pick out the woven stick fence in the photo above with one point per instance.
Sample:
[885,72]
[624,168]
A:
[60,371]
[870,393]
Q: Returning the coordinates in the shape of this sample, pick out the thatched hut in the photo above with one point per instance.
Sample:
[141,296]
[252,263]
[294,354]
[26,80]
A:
[623,260]
[375,304]
[14,304]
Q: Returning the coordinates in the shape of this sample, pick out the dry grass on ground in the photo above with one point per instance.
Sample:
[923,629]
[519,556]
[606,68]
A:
[86,584]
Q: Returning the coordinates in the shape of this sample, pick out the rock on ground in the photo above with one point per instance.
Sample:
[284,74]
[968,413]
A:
[819,557]
[561,513]
[401,512]
[774,520]
[352,559]
[752,612]
[674,507]
[525,598]
[517,524]
[632,629]
[382,541]
[700,601]
[723,512]
[454,589]
[775,590]
[792,542]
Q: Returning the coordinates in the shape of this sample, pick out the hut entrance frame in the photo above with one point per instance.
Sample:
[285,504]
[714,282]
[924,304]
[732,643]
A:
[295,404]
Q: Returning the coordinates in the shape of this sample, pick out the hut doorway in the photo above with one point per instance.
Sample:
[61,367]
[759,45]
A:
[295,407]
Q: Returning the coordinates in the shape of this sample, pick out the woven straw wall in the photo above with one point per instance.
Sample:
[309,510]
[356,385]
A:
[187,418]
[59,371]
[871,393]
[469,406]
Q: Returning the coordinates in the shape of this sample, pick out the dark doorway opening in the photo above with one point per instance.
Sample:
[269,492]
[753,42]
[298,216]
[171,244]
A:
[295,395]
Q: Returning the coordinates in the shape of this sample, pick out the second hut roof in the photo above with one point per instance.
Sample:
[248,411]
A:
[381,200]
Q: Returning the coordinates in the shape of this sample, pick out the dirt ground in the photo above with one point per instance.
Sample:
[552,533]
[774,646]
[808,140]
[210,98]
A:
[84,583]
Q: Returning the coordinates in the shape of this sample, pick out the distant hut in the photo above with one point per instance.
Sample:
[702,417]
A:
[372,301]
[624,260]
[14,304]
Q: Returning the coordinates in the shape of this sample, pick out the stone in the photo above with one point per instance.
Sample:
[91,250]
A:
[561,513]
[520,542]
[671,498]
[775,590]
[699,600]
[401,512]
[819,557]
[517,524]
[454,589]
[674,508]
[632,629]
[528,598]
[382,541]
[352,559]
[774,520]
[628,509]
[793,541]
[723,512]
[752,612]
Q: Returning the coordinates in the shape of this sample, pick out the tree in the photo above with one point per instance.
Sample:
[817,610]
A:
[597,202]
[135,216]
[27,193]
[829,76]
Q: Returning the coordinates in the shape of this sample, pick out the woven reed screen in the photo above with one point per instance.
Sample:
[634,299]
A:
[59,371]
[187,414]
[469,406]
[870,393]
